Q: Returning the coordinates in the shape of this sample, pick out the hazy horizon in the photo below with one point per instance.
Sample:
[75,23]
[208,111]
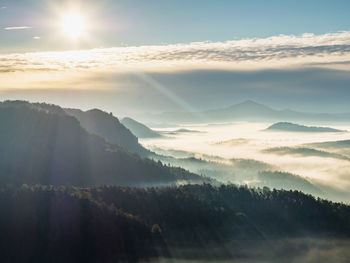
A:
[131,60]
[236,147]
[305,71]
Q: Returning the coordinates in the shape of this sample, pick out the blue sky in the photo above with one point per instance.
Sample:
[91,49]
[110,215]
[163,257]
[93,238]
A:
[139,22]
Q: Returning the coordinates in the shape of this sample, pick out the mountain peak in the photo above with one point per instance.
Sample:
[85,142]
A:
[139,129]
[250,104]
[109,127]
[98,112]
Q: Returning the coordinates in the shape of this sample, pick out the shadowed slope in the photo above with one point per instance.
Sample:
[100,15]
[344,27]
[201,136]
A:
[197,222]
[38,146]
[109,127]
[139,129]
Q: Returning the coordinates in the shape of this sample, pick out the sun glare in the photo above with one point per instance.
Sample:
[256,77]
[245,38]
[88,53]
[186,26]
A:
[73,25]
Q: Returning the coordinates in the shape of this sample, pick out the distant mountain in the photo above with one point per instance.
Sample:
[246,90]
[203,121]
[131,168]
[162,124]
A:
[41,147]
[186,131]
[181,131]
[337,147]
[304,152]
[332,144]
[109,127]
[292,127]
[250,111]
[139,129]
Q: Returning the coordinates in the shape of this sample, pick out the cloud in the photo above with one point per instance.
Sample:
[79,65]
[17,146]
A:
[17,28]
[308,72]
[330,50]
[36,38]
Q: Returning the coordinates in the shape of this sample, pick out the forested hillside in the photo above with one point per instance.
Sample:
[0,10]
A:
[67,195]
[41,147]
[109,127]
[43,224]
[139,129]
[112,224]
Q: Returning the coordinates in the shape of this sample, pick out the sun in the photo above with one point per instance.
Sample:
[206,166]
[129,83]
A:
[73,25]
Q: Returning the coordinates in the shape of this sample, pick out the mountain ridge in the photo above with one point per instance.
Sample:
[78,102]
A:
[41,147]
[250,111]
[139,129]
[293,127]
[109,127]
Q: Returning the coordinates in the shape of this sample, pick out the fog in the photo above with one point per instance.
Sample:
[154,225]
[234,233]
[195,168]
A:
[306,250]
[328,169]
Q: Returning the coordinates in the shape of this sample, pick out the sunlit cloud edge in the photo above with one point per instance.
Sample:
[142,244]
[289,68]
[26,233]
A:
[330,50]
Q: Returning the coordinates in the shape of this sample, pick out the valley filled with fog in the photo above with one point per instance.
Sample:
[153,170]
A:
[249,154]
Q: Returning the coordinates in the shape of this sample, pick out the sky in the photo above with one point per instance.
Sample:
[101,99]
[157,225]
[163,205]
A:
[134,55]
[153,22]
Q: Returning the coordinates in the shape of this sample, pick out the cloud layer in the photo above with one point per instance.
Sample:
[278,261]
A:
[17,27]
[329,50]
[308,73]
